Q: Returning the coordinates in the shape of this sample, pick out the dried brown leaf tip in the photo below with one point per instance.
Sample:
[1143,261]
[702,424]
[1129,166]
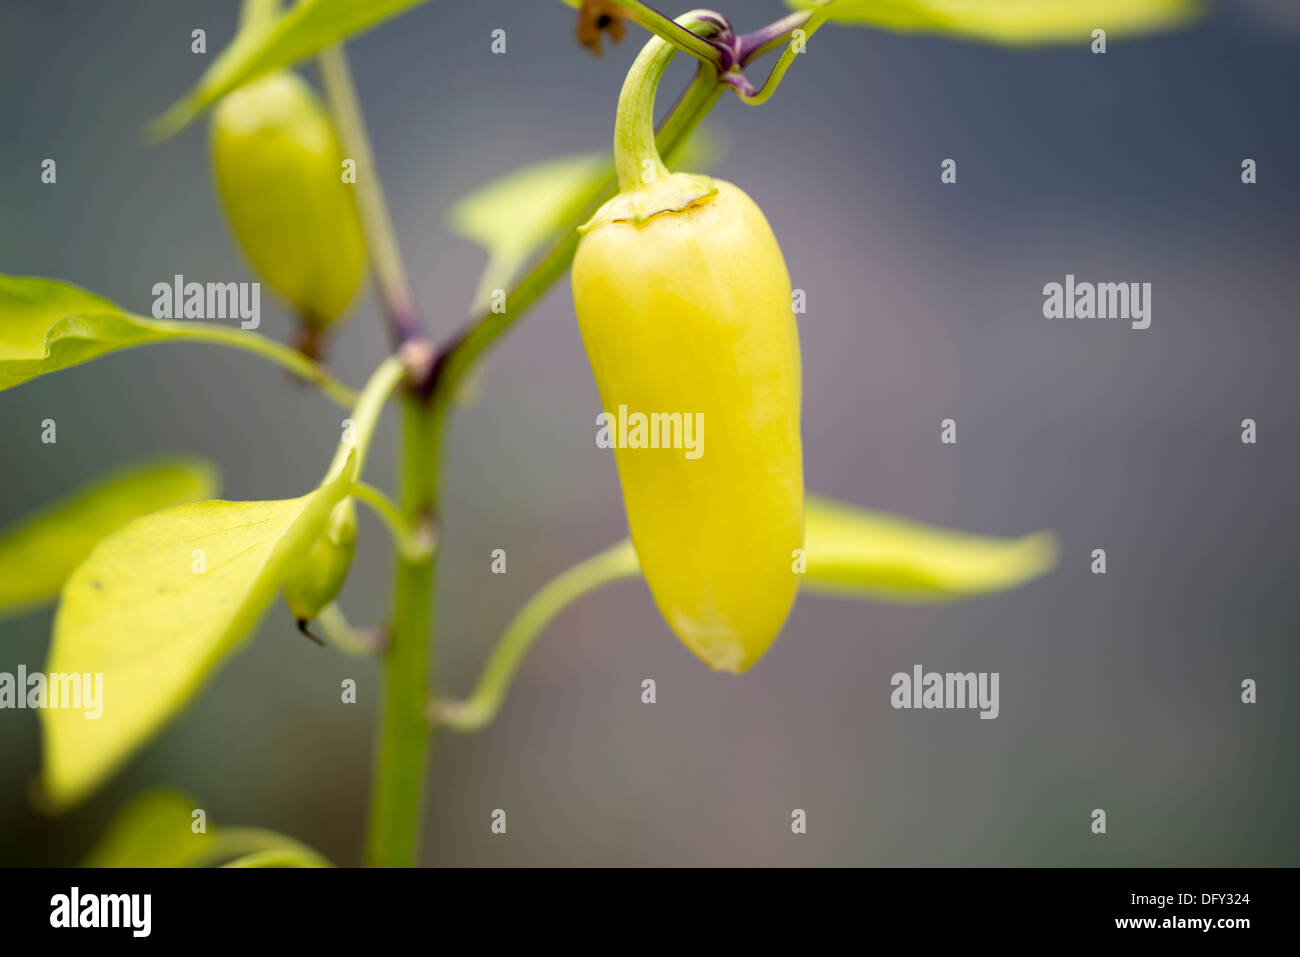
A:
[596,17]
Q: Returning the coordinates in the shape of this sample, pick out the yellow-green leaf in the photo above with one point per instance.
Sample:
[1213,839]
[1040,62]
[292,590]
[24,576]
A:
[38,554]
[47,325]
[156,829]
[1014,22]
[157,605]
[514,216]
[858,552]
[265,45]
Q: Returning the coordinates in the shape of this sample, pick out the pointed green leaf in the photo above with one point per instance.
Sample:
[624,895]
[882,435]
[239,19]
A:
[513,217]
[1014,22]
[857,552]
[38,554]
[263,46]
[155,608]
[156,830]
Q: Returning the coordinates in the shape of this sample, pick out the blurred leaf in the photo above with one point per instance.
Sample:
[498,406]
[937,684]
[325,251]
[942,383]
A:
[851,552]
[47,325]
[38,554]
[279,857]
[266,45]
[859,553]
[515,216]
[156,830]
[155,608]
[1014,22]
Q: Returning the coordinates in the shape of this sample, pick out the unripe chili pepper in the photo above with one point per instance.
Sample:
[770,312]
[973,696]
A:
[317,579]
[683,300]
[279,172]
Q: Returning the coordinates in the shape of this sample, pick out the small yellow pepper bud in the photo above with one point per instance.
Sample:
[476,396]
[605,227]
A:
[317,579]
[280,175]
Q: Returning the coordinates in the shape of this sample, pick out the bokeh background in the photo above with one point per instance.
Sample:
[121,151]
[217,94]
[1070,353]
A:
[924,302]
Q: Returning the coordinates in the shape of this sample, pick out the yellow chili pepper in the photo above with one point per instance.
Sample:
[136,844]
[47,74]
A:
[683,300]
[279,172]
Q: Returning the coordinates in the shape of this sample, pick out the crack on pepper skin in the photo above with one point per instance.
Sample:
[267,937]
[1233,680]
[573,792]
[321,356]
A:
[596,17]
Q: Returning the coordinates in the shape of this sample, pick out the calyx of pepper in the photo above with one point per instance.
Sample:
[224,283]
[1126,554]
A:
[668,193]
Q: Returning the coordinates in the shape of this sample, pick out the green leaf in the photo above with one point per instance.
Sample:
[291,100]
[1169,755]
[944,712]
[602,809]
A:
[47,325]
[156,830]
[515,216]
[38,554]
[155,608]
[263,46]
[859,553]
[851,552]
[1014,22]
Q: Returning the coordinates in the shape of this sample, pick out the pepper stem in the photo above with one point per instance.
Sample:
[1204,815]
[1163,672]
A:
[635,155]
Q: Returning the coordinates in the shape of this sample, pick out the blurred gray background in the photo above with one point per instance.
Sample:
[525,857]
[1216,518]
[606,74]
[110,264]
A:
[924,302]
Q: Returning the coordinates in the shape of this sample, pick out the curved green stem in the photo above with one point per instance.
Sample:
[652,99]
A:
[333,624]
[672,31]
[614,563]
[365,415]
[636,155]
[808,25]
[412,542]
[277,352]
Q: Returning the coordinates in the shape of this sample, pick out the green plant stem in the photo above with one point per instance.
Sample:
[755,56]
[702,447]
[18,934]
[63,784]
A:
[809,26]
[404,731]
[411,542]
[256,13]
[365,416]
[672,31]
[636,157]
[277,352]
[333,624]
[613,564]
[376,222]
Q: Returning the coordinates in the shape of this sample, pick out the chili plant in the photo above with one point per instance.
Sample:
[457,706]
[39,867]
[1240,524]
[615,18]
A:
[158,582]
